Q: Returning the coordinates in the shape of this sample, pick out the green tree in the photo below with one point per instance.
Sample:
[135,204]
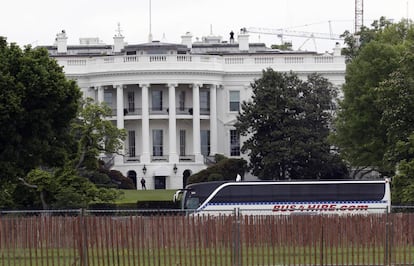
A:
[354,42]
[286,46]
[95,134]
[396,99]
[46,126]
[362,133]
[403,184]
[286,125]
[64,188]
[37,103]
[71,186]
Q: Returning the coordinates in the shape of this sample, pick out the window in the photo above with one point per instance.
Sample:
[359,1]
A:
[131,101]
[204,102]
[205,142]
[157,142]
[157,100]
[234,143]
[234,101]
[181,100]
[108,98]
[182,142]
[131,143]
[300,193]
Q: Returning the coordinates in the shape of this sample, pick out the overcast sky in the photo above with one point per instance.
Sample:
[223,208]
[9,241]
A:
[36,22]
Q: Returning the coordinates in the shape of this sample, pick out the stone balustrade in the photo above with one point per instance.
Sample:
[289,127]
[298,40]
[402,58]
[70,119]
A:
[281,62]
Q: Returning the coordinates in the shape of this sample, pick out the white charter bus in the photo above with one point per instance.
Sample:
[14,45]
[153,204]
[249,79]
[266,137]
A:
[286,197]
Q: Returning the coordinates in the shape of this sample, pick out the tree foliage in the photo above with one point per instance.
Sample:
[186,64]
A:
[374,113]
[48,136]
[375,126]
[95,134]
[355,42]
[285,46]
[64,188]
[37,104]
[286,125]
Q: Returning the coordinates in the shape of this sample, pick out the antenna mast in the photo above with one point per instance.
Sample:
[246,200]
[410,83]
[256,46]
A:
[359,15]
[118,30]
[150,30]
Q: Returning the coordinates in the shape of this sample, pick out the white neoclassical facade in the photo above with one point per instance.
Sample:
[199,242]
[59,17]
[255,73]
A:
[179,102]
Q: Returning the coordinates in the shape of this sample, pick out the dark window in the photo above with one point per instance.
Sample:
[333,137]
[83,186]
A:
[234,101]
[182,142]
[204,102]
[156,100]
[131,101]
[234,143]
[131,143]
[181,100]
[108,98]
[157,142]
[205,142]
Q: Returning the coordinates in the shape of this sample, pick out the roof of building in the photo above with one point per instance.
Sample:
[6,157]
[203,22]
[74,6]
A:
[206,46]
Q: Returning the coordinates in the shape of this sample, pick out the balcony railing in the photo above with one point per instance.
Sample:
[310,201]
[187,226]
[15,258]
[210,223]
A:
[163,111]
[135,111]
[282,62]
[157,111]
[184,111]
[154,158]
[187,158]
[159,158]
[204,111]
[128,159]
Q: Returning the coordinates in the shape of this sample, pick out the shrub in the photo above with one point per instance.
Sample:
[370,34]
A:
[215,177]
[219,157]
[119,179]
[97,178]
[225,169]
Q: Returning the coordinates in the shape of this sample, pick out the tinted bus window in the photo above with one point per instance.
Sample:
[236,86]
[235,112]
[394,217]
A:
[299,192]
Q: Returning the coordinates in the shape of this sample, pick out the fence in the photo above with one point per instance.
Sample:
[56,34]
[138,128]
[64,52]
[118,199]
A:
[127,238]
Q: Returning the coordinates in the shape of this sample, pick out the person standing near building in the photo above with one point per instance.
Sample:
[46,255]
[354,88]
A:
[143,184]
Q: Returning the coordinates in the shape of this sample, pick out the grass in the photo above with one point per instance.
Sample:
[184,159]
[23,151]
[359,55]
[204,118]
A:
[132,195]
[218,255]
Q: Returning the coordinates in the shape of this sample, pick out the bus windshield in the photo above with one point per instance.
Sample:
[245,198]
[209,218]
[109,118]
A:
[186,199]
[195,194]
[192,203]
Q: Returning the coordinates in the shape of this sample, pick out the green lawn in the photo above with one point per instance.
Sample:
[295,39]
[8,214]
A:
[132,195]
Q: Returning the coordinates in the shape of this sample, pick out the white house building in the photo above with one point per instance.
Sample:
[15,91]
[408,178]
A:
[179,102]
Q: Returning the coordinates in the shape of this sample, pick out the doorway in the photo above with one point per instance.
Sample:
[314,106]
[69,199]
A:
[159,182]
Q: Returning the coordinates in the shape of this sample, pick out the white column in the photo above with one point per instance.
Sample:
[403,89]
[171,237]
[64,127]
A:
[119,106]
[196,123]
[119,159]
[213,119]
[100,94]
[172,124]
[145,156]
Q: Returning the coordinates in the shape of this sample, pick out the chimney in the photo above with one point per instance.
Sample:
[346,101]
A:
[243,39]
[61,42]
[119,43]
[337,49]
[187,40]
